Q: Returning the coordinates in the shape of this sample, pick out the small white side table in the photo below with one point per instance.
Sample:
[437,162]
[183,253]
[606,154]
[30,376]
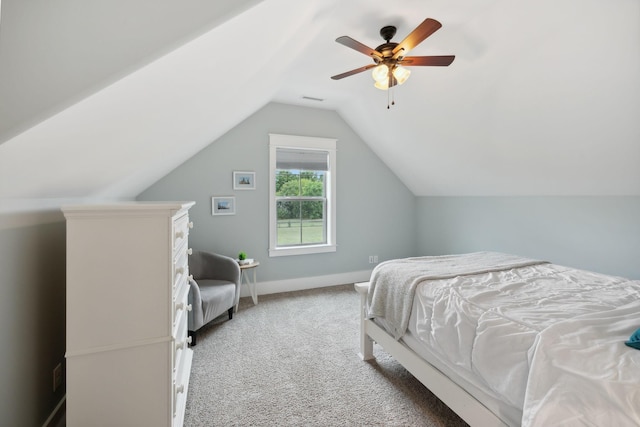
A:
[252,284]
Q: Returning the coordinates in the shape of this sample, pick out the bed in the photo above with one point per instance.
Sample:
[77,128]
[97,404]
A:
[507,341]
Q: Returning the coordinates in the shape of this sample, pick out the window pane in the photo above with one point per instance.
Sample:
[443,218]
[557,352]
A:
[288,226]
[313,223]
[312,183]
[293,183]
[287,183]
[301,222]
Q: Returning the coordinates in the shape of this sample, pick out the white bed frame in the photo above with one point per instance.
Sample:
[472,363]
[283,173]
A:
[450,393]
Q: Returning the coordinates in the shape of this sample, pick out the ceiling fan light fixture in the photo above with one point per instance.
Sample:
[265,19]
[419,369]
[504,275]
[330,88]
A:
[381,85]
[381,74]
[384,84]
[401,74]
[387,57]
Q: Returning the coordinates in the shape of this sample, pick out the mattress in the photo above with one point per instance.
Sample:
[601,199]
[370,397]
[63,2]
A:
[519,341]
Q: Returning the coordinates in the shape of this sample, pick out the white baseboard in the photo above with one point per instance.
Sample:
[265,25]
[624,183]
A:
[302,283]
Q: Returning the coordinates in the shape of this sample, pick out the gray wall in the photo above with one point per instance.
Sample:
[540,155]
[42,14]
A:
[375,211]
[32,316]
[594,233]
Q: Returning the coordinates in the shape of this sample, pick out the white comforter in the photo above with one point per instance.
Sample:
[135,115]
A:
[582,373]
[393,283]
[546,339]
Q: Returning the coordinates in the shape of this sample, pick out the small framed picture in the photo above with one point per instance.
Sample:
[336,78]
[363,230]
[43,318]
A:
[223,205]
[244,180]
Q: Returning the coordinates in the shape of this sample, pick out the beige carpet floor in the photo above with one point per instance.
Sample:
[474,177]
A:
[292,360]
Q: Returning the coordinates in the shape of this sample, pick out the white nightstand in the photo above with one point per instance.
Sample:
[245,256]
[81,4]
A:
[252,284]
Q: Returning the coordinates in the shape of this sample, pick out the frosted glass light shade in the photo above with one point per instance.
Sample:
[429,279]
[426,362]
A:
[380,73]
[381,76]
[401,74]
[382,85]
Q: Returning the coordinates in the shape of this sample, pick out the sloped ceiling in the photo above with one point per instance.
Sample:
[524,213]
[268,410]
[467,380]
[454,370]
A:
[101,99]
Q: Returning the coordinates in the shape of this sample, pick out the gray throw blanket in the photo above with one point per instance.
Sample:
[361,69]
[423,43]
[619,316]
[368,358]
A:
[393,283]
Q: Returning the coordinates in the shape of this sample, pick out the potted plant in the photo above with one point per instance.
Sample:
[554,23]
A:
[242,258]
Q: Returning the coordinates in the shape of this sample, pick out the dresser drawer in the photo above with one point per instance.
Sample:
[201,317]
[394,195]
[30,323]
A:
[181,228]
[181,309]
[181,384]
[181,387]
[180,270]
[179,399]
[181,343]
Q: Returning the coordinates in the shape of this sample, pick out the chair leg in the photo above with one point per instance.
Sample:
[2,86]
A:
[231,313]
[192,334]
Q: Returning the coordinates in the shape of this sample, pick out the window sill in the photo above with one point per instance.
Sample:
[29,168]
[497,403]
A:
[302,250]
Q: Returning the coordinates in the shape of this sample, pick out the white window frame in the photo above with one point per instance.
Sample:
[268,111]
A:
[303,142]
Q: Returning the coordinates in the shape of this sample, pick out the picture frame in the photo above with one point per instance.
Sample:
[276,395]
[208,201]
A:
[244,180]
[223,205]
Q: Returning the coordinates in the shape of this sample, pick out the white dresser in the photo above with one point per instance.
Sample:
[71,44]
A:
[128,360]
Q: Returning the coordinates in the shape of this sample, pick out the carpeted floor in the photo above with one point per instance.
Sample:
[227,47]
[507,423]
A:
[292,361]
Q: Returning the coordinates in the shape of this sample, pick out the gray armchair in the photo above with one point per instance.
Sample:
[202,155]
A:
[215,288]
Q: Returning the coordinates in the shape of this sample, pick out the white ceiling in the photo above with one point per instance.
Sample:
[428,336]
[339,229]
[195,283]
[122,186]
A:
[101,99]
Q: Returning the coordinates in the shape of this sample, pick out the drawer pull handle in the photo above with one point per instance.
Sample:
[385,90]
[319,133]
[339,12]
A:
[181,306]
[190,251]
[180,345]
[191,277]
[179,270]
[189,339]
[190,225]
[180,389]
[179,234]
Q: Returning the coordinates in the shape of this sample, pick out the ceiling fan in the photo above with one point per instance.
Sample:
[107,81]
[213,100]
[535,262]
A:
[390,58]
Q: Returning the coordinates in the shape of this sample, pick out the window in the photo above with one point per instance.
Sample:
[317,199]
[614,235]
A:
[302,191]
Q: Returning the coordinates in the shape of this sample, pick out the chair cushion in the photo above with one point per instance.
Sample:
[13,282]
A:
[218,296]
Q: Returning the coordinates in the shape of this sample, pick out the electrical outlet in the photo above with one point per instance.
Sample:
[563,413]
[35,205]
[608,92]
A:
[57,377]
[373,259]
[370,259]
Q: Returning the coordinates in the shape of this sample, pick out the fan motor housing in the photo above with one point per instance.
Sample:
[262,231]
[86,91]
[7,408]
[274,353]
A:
[386,49]
[388,32]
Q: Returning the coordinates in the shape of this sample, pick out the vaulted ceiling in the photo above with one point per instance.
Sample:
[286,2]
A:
[101,99]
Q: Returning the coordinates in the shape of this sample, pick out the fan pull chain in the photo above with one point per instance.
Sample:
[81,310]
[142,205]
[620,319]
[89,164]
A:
[389,86]
[390,96]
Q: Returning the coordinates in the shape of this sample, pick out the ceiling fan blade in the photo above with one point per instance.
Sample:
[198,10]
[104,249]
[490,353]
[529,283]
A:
[442,60]
[354,44]
[352,72]
[422,31]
